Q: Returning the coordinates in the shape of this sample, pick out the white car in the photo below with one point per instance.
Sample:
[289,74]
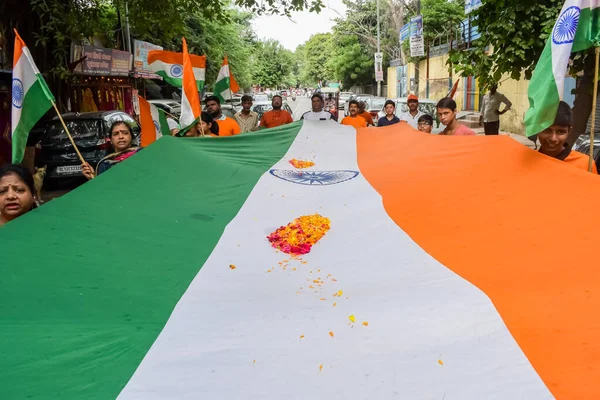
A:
[171,106]
[426,106]
[262,107]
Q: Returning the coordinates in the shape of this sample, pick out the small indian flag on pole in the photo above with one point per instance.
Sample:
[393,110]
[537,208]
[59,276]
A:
[169,65]
[31,98]
[190,101]
[226,84]
[153,121]
[576,29]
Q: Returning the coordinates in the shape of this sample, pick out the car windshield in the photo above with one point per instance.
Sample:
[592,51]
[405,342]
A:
[262,108]
[261,97]
[426,108]
[228,112]
[77,128]
[376,103]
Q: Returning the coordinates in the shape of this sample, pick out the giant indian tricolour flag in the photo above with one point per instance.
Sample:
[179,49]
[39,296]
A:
[169,65]
[577,28]
[31,97]
[449,271]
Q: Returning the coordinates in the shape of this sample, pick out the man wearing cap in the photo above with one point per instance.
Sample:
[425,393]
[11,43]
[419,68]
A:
[413,114]
[554,140]
[490,110]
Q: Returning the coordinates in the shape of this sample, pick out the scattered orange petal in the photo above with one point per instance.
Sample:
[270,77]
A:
[232,266]
[331,333]
[338,293]
[311,287]
[301,336]
[365,323]
[321,367]
[254,362]
[334,280]
[297,292]
[328,275]
[303,262]
[318,270]
[440,362]
[334,304]
[293,269]
[322,298]
[269,270]
[352,318]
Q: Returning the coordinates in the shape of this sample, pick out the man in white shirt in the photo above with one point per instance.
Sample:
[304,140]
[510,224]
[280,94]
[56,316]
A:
[317,113]
[413,114]
[490,111]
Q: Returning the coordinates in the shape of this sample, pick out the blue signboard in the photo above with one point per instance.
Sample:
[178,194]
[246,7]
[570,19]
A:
[404,32]
[471,5]
[416,26]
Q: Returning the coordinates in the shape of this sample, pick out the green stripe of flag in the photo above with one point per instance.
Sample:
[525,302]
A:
[84,300]
[36,103]
[162,121]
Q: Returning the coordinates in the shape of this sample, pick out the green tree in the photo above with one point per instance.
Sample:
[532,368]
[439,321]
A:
[216,39]
[272,64]
[315,55]
[349,63]
[517,32]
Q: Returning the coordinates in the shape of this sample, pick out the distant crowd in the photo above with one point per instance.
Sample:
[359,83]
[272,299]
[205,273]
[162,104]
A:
[18,188]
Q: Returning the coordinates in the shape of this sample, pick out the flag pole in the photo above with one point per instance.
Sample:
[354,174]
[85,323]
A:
[595,98]
[68,133]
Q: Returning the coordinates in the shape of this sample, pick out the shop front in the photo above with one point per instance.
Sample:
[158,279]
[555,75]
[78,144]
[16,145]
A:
[102,80]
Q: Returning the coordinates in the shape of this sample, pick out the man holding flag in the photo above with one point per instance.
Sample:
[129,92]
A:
[576,29]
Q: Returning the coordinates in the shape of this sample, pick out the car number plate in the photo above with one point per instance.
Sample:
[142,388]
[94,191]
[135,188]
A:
[68,169]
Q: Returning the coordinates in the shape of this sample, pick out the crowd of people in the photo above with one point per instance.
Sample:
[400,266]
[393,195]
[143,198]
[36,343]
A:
[17,183]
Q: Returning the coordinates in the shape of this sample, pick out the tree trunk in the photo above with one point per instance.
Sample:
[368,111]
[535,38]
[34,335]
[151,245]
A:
[582,107]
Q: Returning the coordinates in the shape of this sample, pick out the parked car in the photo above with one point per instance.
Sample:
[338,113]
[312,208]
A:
[264,106]
[426,106]
[171,106]
[373,105]
[345,97]
[91,133]
[261,97]
[359,98]
[582,145]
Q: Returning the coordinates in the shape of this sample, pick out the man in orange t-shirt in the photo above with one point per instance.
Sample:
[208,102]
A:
[276,116]
[554,140]
[365,114]
[354,119]
[227,126]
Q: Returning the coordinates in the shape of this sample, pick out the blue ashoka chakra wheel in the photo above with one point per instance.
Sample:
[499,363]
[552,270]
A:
[316,178]
[17,93]
[176,70]
[157,126]
[566,26]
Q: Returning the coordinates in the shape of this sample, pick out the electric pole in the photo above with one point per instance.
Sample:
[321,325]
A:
[378,51]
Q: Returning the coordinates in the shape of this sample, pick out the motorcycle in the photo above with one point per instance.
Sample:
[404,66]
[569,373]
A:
[293,97]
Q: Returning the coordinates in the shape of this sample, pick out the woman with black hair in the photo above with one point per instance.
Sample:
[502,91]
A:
[121,138]
[16,192]
[207,126]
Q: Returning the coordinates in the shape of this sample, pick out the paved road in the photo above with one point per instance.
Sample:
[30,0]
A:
[299,107]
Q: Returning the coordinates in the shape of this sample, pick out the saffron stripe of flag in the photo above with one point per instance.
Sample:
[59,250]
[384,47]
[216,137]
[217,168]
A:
[169,65]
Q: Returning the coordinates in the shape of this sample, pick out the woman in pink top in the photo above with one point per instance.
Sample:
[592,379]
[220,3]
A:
[446,110]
